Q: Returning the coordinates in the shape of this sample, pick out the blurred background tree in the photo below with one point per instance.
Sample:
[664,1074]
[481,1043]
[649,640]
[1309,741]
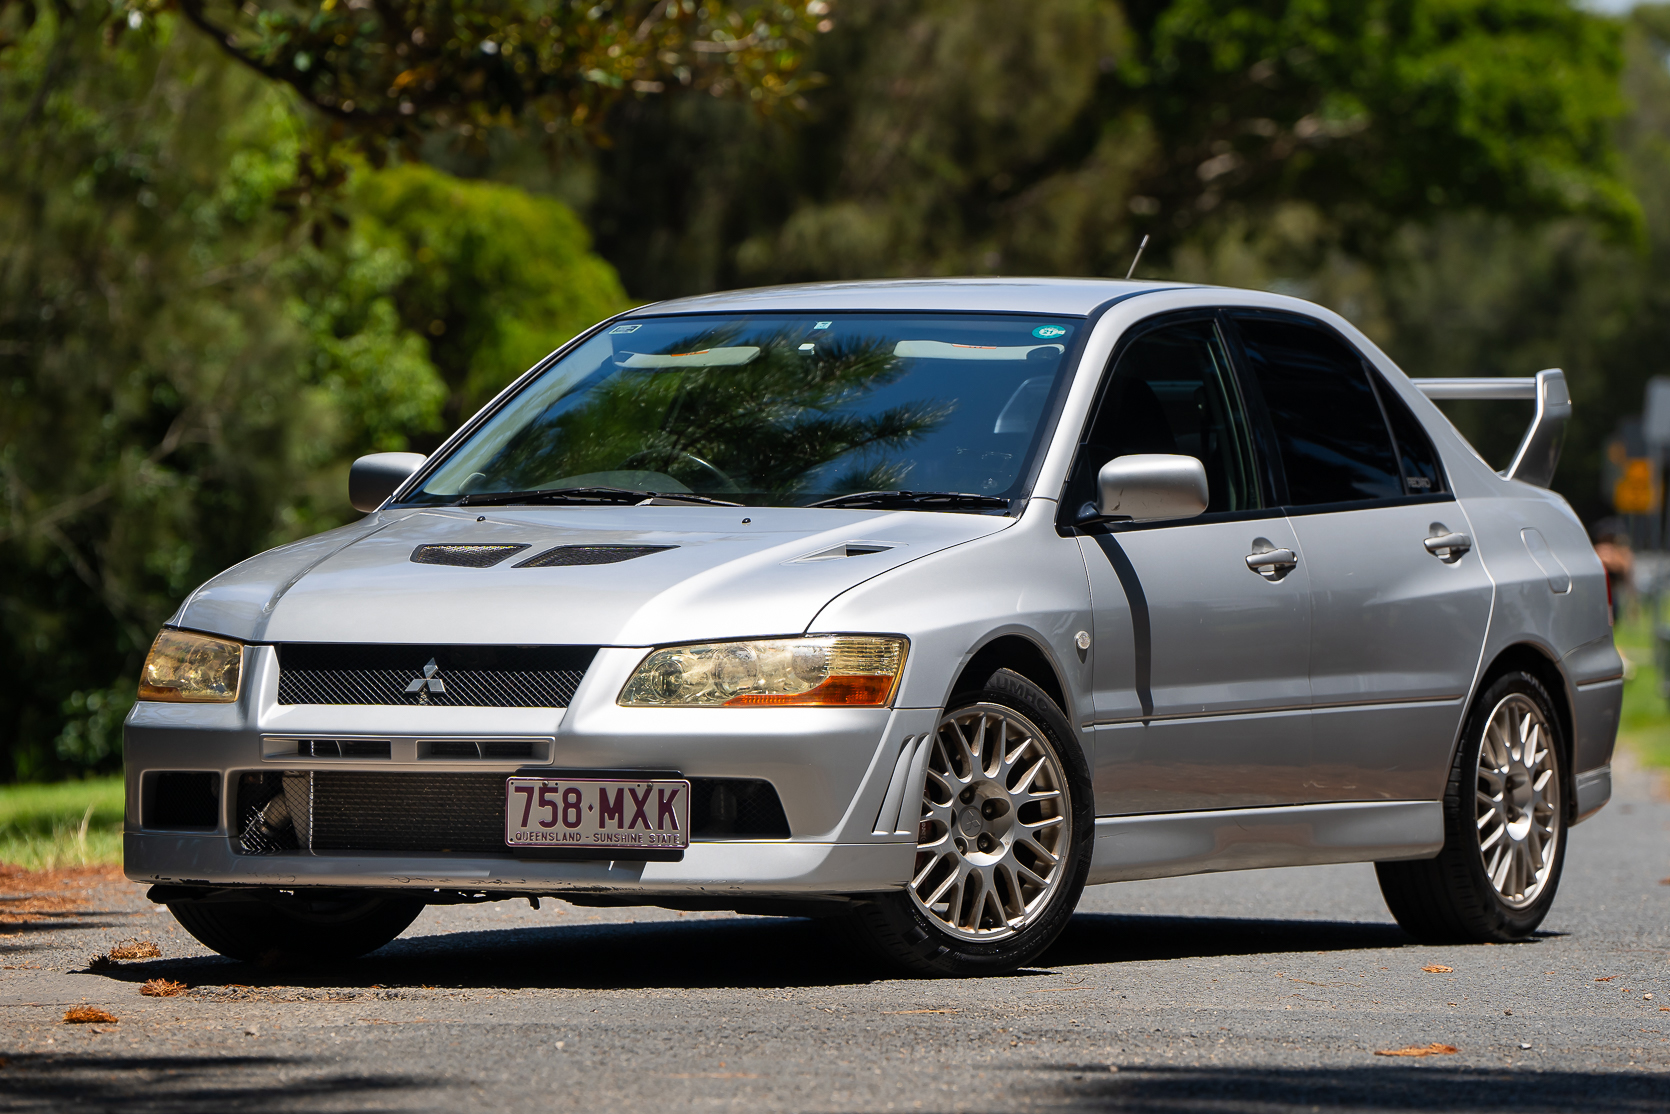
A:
[242,243]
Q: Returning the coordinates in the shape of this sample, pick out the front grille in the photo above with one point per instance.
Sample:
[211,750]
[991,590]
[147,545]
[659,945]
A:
[355,810]
[455,676]
[590,555]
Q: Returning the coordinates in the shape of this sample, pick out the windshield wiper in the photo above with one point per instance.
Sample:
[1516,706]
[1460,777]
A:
[924,500]
[617,496]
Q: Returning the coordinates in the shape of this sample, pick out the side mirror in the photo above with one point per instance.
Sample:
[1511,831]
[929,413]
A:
[373,478]
[1146,487]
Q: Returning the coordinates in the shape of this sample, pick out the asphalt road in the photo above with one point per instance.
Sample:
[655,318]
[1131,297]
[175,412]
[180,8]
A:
[1259,991]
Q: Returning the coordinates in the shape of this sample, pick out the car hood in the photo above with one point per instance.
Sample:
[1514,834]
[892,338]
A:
[731,573]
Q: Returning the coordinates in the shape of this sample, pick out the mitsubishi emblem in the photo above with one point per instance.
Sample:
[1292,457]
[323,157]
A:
[428,683]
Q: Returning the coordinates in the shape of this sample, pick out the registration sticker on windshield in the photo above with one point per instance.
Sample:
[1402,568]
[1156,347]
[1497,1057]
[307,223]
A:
[605,815]
[624,329]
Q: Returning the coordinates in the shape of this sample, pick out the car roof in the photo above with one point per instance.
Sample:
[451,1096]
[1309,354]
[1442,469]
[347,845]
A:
[975,295]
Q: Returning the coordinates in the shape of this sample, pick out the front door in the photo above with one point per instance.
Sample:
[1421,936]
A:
[1397,626]
[1199,656]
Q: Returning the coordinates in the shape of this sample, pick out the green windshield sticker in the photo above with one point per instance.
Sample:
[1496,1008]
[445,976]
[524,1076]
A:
[1049,332]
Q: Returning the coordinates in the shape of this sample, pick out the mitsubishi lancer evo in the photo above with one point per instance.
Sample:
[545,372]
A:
[916,605]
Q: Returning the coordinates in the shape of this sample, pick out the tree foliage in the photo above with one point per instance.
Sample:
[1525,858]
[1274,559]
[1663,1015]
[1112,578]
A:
[185,371]
[1048,136]
[400,69]
[214,292]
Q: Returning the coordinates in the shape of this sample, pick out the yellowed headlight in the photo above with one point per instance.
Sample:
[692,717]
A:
[187,668]
[838,670]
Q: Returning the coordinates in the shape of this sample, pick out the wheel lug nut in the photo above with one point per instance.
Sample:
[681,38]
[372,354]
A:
[967,795]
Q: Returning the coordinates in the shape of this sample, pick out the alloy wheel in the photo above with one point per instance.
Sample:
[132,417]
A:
[992,846]
[1517,801]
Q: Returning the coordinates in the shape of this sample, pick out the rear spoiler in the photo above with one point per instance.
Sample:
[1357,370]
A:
[1539,451]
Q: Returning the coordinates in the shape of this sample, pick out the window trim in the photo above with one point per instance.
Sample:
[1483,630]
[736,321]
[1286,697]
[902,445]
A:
[1066,516]
[1376,384]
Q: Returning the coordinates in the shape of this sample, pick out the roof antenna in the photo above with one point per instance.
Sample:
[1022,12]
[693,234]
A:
[1137,258]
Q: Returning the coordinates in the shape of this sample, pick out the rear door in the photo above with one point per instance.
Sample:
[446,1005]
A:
[1396,626]
[1199,660]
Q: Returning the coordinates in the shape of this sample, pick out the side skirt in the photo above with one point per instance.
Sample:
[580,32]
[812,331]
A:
[1159,846]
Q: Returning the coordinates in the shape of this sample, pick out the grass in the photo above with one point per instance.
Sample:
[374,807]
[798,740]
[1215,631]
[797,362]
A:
[67,823]
[1644,726]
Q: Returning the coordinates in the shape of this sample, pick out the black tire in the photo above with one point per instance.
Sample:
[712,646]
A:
[304,930]
[899,929]
[1451,898]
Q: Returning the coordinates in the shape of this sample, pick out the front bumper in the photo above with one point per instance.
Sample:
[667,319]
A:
[780,868]
[833,770]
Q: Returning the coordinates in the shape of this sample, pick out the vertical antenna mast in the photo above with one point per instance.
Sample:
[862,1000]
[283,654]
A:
[1132,269]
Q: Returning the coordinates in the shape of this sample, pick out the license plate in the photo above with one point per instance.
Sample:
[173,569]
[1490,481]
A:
[558,813]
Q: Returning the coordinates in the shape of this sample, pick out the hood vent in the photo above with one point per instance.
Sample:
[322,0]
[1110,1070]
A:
[590,555]
[845,549]
[466,555]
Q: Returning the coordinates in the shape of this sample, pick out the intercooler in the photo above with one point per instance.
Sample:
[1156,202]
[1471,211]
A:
[328,811]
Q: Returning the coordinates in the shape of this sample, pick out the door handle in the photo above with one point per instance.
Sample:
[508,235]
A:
[1449,548]
[1277,558]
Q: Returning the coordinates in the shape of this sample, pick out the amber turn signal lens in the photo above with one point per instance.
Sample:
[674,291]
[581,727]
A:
[188,668]
[861,691]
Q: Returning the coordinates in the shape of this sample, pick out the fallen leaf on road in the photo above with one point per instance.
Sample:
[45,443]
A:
[1608,978]
[163,988]
[1433,1049]
[82,1015]
[1664,881]
[136,949]
[1438,968]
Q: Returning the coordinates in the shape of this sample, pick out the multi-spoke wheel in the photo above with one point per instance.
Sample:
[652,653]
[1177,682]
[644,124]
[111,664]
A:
[1517,801]
[1504,825]
[1003,845]
[995,833]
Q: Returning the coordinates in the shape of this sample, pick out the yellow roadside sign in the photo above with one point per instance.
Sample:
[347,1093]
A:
[1636,491]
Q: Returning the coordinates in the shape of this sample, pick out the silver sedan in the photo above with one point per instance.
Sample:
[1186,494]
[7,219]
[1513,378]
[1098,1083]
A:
[920,605]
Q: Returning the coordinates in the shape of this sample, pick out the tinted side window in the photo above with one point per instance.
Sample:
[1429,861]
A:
[1329,430]
[1421,474]
[1173,391]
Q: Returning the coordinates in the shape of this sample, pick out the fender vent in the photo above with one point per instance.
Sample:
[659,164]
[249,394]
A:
[469,556]
[590,555]
[900,809]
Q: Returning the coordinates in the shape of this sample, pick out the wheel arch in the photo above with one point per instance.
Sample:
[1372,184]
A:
[1024,656]
[1531,658]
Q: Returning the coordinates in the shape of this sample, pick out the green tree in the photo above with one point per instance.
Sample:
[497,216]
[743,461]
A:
[1046,137]
[397,70]
[491,276]
[197,334]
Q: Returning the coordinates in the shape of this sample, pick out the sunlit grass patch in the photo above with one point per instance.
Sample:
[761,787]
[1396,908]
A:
[1644,726]
[64,824]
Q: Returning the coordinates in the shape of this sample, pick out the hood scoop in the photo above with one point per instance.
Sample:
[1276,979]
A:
[589,555]
[465,554]
[845,549]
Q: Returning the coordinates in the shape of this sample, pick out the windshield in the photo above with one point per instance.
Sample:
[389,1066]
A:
[776,409]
